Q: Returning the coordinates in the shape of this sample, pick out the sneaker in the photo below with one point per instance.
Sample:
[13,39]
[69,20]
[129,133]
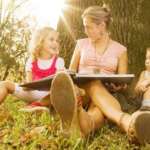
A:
[64,101]
[34,106]
[139,127]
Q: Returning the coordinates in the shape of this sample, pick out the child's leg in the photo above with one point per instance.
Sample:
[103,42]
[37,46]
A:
[29,95]
[35,98]
[6,87]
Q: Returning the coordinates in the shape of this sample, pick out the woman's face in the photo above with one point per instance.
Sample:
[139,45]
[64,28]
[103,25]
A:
[92,30]
[51,44]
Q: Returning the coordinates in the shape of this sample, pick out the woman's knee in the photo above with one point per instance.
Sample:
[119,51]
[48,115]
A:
[96,85]
[97,88]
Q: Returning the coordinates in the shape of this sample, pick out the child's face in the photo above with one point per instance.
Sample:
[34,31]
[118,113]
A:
[51,44]
[147,61]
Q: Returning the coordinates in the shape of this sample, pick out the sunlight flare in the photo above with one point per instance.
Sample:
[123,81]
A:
[46,12]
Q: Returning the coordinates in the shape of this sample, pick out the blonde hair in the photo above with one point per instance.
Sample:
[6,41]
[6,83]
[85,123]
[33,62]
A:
[37,40]
[98,14]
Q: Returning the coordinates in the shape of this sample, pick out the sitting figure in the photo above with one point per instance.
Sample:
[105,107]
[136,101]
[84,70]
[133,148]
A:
[143,85]
[43,61]
[98,53]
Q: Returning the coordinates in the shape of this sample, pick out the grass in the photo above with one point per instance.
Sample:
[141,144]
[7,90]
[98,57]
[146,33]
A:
[41,131]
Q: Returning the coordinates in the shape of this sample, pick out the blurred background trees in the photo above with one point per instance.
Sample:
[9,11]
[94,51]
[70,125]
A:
[14,37]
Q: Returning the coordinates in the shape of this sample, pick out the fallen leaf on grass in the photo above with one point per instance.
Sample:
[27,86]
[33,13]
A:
[3,132]
[5,116]
[35,131]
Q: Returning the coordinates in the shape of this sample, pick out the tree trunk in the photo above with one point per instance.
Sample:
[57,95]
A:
[6,72]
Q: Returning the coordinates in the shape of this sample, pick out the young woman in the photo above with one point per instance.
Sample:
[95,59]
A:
[97,53]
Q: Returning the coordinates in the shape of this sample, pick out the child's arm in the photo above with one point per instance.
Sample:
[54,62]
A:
[141,78]
[142,83]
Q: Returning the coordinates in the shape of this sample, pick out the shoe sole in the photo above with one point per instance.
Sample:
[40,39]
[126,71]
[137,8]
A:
[63,98]
[141,125]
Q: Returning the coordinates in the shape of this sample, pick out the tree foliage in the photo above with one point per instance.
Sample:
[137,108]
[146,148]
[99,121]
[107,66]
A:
[14,37]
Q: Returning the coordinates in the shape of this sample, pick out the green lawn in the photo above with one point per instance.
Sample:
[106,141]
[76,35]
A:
[41,131]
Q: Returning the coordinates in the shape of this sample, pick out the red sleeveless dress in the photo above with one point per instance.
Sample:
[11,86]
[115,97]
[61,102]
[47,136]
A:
[38,73]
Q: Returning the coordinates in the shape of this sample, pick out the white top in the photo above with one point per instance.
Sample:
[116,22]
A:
[146,74]
[45,64]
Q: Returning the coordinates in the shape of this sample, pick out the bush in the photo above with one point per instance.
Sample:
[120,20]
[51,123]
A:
[14,37]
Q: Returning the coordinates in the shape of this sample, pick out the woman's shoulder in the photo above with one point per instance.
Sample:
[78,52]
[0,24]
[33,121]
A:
[119,46]
[81,43]
[83,40]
